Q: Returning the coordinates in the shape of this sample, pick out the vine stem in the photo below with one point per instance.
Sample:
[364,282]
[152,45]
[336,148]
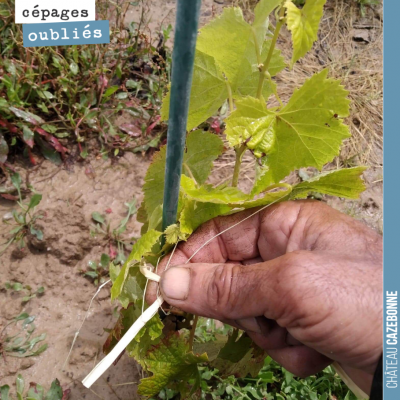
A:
[265,66]
[239,153]
[239,150]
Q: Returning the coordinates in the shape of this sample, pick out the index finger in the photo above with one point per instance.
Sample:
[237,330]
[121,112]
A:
[236,244]
[270,233]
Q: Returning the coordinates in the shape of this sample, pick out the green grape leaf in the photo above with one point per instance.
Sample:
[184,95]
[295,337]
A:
[261,176]
[252,123]
[246,83]
[261,13]
[228,53]
[230,40]
[319,93]
[114,271]
[170,362]
[277,62]
[153,187]
[309,130]
[227,196]
[148,336]
[173,234]
[217,38]
[139,249]
[208,194]
[133,286]
[155,219]
[235,349]
[341,183]
[143,245]
[196,213]
[212,348]
[202,149]
[209,90]
[250,363]
[141,215]
[303,24]
[268,198]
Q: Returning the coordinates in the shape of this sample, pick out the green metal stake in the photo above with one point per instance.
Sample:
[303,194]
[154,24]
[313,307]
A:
[187,18]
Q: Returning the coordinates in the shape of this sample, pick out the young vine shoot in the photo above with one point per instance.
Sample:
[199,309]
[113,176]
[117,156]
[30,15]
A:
[235,63]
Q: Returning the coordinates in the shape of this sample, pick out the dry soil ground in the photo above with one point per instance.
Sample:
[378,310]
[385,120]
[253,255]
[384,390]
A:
[349,45]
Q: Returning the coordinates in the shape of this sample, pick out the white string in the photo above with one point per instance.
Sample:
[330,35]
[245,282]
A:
[84,319]
[167,266]
[170,257]
[144,294]
[168,263]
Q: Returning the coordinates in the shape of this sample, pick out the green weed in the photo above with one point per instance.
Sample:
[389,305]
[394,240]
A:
[367,3]
[22,342]
[117,243]
[49,94]
[23,220]
[98,272]
[29,293]
[35,391]
[271,383]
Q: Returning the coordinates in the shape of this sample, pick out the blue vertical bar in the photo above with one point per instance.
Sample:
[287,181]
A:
[391,385]
[187,18]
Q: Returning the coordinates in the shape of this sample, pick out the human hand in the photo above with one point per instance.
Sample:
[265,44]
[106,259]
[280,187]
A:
[304,281]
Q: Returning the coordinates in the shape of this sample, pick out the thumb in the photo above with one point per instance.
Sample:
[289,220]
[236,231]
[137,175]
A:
[224,291]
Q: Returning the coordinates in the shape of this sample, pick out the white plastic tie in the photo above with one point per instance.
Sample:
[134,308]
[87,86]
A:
[149,274]
[107,361]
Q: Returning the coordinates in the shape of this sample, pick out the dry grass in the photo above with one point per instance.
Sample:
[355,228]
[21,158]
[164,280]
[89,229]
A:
[358,65]
[223,170]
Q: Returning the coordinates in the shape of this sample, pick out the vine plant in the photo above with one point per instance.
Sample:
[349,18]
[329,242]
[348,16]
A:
[235,62]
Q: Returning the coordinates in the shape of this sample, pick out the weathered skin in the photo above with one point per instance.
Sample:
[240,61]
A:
[304,280]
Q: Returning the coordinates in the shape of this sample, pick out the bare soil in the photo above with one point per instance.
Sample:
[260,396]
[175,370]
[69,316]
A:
[69,198]
[72,192]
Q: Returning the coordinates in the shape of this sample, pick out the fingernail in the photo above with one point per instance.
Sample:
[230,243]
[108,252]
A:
[175,283]
[249,324]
